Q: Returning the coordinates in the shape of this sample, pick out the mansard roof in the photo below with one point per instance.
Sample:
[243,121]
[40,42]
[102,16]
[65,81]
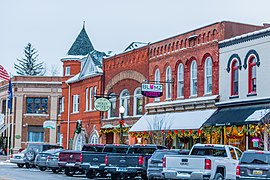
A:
[82,45]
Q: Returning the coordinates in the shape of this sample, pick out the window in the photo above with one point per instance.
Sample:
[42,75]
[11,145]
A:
[4,106]
[79,142]
[91,98]
[233,155]
[193,79]
[76,103]
[180,80]
[58,135]
[208,76]
[94,139]
[252,75]
[35,134]
[95,94]
[138,102]
[112,110]
[37,105]
[61,105]
[86,99]
[168,83]
[125,101]
[157,80]
[234,78]
[67,73]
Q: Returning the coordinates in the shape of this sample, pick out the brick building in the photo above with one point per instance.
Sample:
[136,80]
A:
[188,67]
[35,100]
[123,75]
[81,83]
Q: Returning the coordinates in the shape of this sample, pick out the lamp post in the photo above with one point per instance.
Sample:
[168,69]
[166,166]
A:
[121,111]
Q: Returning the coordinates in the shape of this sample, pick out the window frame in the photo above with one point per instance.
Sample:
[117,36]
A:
[90,98]
[136,97]
[86,99]
[180,81]
[252,63]
[67,71]
[113,104]
[76,103]
[34,105]
[126,100]
[168,83]
[193,80]
[208,76]
[157,81]
[235,69]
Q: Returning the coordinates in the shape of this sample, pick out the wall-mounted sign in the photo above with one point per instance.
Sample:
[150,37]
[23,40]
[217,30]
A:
[49,125]
[102,104]
[18,136]
[152,90]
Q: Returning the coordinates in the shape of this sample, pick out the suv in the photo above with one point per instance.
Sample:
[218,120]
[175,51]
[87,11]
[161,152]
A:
[254,165]
[33,149]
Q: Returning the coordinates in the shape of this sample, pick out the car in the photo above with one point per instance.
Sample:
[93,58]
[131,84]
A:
[154,167]
[33,149]
[52,162]
[254,164]
[42,157]
[18,159]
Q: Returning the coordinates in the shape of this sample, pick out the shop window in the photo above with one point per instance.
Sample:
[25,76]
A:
[112,110]
[138,102]
[157,81]
[208,76]
[234,78]
[180,80]
[36,105]
[125,101]
[168,83]
[193,79]
[252,75]
[35,134]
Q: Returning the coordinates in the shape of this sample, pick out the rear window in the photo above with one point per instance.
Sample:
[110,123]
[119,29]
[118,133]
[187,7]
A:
[140,150]
[209,151]
[115,149]
[160,154]
[254,158]
[93,148]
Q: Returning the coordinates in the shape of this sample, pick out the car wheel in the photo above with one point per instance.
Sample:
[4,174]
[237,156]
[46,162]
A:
[90,174]
[27,165]
[20,165]
[42,168]
[115,176]
[55,171]
[30,155]
[218,176]
[69,171]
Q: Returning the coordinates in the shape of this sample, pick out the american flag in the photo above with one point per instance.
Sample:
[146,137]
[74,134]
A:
[3,74]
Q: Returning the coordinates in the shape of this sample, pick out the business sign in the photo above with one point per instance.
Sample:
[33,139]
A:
[102,104]
[152,90]
[49,125]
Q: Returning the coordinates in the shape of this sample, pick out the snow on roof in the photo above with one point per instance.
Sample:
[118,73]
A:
[73,79]
[182,101]
[72,57]
[135,45]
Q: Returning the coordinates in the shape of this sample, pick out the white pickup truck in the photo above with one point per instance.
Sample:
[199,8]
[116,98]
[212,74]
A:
[205,161]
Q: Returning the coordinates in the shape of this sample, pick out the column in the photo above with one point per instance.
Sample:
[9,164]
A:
[53,117]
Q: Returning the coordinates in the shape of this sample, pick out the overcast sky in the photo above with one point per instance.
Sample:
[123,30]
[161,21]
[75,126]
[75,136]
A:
[53,25]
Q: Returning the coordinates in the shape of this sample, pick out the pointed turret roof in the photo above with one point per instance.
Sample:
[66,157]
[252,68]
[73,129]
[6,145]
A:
[82,45]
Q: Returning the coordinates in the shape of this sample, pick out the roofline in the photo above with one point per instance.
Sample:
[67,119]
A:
[243,102]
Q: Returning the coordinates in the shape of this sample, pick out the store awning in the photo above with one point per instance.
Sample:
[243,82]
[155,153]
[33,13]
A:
[107,126]
[238,115]
[172,121]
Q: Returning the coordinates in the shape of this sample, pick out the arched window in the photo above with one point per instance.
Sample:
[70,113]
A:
[112,110]
[138,102]
[94,139]
[157,80]
[234,78]
[125,101]
[79,141]
[168,84]
[193,78]
[252,75]
[208,76]
[180,80]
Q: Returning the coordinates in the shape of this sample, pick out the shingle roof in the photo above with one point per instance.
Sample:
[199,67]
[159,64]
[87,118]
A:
[82,45]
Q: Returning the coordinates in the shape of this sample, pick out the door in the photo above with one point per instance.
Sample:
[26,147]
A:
[109,138]
[231,172]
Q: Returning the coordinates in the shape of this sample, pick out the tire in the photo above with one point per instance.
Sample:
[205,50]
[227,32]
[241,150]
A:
[90,174]
[27,165]
[30,155]
[42,168]
[218,176]
[55,171]
[20,165]
[69,171]
[115,176]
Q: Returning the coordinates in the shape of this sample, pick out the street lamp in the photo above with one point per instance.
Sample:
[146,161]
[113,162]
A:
[121,111]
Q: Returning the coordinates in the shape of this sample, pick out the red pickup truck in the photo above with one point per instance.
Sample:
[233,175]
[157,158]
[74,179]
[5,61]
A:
[70,160]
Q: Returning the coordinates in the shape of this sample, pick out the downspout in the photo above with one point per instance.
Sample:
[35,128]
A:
[68,123]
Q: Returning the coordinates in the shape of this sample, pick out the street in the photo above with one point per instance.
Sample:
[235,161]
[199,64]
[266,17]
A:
[10,171]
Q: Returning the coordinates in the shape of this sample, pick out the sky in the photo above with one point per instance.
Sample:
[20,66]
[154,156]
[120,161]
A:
[52,26]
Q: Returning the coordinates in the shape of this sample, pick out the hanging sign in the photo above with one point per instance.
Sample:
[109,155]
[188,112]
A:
[152,90]
[49,124]
[102,104]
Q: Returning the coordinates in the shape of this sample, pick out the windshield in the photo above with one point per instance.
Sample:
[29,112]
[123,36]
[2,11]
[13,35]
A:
[116,149]
[161,154]
[137,150]
[254,158]
[209,151]
[93,148]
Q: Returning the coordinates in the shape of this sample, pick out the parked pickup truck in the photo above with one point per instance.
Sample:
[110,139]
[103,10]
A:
[94,162]
[132,163]
[205,161]
[70,160]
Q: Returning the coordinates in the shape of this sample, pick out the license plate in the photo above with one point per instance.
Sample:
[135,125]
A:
[121,169]
[257,172]
[159,164]
[43,158]
[17,157]
[70,164]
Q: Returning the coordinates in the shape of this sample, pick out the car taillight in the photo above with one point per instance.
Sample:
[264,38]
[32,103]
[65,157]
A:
[80,157]
[48,157]
[141,160]
[164,162]
[11,156]
[207,164]
[237,170]
[106,160]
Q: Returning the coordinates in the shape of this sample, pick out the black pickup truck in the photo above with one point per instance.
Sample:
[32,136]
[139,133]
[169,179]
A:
[70,160]
[132,163]
[94,162]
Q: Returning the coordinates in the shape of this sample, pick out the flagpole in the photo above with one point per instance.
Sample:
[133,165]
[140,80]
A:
[8,135]
[12,120]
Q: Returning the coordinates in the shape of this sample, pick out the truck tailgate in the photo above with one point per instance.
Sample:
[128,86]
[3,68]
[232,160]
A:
[185,163]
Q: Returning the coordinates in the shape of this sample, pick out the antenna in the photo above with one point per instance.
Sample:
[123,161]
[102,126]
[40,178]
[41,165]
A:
[83,24]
